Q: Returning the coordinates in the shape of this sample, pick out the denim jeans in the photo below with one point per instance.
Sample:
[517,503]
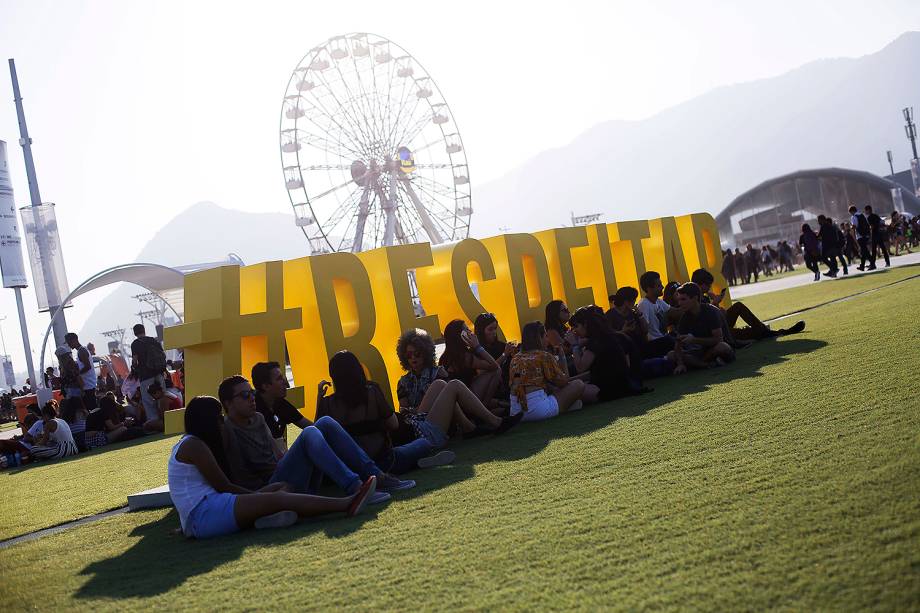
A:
[324,449]
[405,457]
[150,404]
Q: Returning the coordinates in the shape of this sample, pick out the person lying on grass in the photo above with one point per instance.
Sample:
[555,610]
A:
[700,343]
[430,407]
[534,370]
[255,459]
[210,505]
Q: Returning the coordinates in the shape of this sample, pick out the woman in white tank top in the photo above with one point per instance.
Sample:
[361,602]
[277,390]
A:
[56,440]
[210,505]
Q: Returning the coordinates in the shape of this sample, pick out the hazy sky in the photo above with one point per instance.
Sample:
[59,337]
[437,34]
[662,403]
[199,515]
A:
[140,109]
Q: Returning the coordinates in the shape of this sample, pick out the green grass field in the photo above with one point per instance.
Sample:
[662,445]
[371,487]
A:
[789,479]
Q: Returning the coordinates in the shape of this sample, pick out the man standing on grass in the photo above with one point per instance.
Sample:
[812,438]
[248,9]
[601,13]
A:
[325,448]
[700,343]
[271,389]
[87,372]
[149,361]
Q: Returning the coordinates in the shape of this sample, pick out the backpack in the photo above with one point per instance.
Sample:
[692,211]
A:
[862,225]
[154,357]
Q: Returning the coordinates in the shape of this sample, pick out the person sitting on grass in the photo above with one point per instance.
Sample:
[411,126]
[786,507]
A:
[700,343]
[74,413]
[654,311]
[486,330]
[16,451]
[56,440]
[540,386]
[162,402]
[755,329]
[604,354]
[624,318]
[465,359]
[255,459]
[424,386]
[107,424]
[271,391]
[362,409]
[210,505]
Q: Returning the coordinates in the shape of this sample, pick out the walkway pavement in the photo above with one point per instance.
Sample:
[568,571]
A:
[762,287]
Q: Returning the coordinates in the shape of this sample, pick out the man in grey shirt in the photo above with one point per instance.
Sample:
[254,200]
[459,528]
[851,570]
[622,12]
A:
[255,458]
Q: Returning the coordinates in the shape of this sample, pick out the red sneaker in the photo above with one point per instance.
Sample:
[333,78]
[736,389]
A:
[364,493]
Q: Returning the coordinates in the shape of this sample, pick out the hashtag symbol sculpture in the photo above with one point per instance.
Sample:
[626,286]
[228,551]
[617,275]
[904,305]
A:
[224,335]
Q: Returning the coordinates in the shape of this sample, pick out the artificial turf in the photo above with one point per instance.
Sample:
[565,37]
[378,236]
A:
[789,479]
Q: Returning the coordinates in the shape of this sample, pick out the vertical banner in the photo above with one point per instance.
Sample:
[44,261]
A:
[11,264]
[897,199]
[8,372]
[41,230]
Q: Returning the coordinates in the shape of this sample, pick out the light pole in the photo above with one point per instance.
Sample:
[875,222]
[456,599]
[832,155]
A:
[46,250]
[2,339]
[911,129]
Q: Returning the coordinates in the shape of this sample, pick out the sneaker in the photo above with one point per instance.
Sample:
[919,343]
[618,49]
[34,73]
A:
[281,519]
[379,498]
[508,423]
[860,268]
[362,497]
[441,458]
[389,483]
[873,267]
[794,329]
[576,406]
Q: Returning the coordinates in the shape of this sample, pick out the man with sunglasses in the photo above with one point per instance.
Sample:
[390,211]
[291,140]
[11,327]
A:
[255,459]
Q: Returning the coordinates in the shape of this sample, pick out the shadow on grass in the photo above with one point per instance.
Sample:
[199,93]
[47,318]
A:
[92,452]
[162,559]
[529,439]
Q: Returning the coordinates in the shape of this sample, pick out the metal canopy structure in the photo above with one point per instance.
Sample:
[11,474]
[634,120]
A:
[166,282]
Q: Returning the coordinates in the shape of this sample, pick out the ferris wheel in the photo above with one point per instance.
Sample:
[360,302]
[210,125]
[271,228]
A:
[370,151]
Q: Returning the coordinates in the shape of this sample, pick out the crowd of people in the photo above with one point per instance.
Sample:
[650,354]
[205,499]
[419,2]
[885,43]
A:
[234,469]
[96,408]
[865,236]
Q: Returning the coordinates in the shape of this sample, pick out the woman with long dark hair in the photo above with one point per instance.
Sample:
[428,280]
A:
[556,324]
[210,505]
[540,386]
[597,350]
[485,327]
[465,359]
[55,441]
[399,442]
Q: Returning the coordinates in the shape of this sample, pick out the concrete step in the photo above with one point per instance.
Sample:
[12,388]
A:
[154,498]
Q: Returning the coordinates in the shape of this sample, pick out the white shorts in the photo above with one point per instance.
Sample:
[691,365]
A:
[540,406]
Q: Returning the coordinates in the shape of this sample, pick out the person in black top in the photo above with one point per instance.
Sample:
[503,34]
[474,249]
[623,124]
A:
[879,237]
[598,350]
[271,389]
[830,246]
[699,332]
[149,361]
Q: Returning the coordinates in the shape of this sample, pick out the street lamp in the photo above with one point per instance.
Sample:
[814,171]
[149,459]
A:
[911,129]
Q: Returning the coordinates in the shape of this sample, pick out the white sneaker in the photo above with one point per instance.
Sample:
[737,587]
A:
[445,456]
[281,519]
[576,406]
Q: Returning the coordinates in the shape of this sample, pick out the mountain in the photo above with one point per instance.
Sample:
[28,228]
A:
[205,232]
[699,155]
[696,156]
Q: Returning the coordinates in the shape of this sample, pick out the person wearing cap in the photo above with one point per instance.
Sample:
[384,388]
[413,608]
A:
[71,383]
